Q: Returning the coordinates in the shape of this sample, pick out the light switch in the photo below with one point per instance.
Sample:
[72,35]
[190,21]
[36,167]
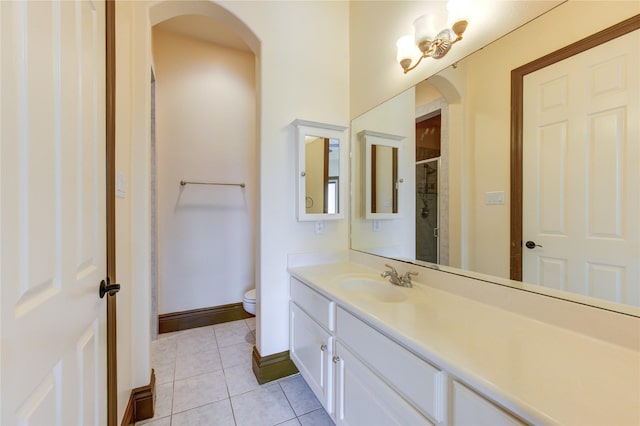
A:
[319,227]
[375,226]
[494,198]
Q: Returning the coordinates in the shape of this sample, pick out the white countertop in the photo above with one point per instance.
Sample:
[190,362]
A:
[543,373]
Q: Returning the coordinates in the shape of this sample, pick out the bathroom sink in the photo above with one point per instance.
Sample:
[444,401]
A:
[377,290]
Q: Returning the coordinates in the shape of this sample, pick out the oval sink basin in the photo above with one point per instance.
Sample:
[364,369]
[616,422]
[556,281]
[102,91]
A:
[379,291]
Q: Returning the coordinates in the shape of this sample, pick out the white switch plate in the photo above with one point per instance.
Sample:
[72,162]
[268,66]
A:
[319,227]
[375,225]
[494,198]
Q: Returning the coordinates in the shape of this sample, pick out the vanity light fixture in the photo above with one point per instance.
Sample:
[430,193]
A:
[426,43]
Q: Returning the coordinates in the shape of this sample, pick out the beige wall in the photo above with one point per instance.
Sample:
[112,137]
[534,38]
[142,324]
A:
[206,131]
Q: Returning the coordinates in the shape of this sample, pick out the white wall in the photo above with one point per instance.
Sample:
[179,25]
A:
[392,236]
[206,131]
[133,77]
[303,74]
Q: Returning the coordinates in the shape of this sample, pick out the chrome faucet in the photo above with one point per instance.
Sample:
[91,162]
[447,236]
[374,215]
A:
[395,279]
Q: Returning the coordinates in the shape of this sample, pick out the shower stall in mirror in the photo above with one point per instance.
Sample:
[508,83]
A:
[428,142]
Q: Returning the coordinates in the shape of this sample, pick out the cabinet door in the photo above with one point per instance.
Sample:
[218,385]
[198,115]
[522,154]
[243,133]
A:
[310,350]
[470,409]
[362,398]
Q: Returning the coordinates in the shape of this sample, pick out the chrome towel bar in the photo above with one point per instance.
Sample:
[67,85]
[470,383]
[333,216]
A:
[185,182]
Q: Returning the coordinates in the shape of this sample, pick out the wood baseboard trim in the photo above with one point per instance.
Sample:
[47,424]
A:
[272,367]
[185,320]
[141,404]
[127,418]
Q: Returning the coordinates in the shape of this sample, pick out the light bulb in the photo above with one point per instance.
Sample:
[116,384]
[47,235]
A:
[406,51]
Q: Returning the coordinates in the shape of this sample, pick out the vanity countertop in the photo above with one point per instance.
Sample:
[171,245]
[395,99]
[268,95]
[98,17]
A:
[543,373]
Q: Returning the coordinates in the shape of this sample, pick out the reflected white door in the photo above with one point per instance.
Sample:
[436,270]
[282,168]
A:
[581,180]
[52,84]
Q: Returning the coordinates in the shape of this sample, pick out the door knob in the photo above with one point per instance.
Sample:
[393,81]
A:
[531,245]
[107,287]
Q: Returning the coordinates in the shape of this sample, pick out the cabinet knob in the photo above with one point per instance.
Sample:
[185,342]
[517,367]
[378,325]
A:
[303,174]
[323,347]
[336,359]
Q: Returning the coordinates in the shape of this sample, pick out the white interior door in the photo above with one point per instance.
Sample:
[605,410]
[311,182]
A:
[53,341]
[581,180]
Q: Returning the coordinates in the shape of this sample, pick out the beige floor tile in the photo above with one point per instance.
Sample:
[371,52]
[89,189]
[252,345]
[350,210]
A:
[218,413]
[199,390]
[238,354]
[266,406]
[240,379]
[194,364]
[316,418]
[299,394]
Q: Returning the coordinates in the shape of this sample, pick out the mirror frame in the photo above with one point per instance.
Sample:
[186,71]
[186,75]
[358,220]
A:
[306,128]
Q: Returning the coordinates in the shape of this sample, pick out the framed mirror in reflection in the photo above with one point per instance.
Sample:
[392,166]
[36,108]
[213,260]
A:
[381,153]
[467,198]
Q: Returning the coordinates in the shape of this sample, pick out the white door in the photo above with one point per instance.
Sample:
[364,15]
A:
[581,180]
[52,139]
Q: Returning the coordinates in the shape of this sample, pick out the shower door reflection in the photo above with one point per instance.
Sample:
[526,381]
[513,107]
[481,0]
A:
[427,213]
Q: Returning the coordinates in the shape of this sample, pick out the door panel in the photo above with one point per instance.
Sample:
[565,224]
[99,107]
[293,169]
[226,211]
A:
[53,344]
[581,137]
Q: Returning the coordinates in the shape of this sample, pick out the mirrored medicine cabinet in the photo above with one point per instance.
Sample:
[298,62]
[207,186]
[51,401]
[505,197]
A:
[381,154]
[320,170]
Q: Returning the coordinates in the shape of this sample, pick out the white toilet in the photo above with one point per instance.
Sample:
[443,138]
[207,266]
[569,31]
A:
[249,301]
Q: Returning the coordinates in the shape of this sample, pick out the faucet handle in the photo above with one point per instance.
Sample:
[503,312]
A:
[393,270]
[406,278]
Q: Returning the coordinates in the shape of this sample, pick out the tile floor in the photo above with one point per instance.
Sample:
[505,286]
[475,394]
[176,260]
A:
[204,378]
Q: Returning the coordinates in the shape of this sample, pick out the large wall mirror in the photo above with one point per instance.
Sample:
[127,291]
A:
[457,165]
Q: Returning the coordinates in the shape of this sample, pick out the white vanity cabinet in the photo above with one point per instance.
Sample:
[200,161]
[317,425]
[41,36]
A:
[364,377]
[311,343]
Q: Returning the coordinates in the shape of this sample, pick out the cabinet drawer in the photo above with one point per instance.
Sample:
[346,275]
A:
[313,303]
[469,408]
[418,381]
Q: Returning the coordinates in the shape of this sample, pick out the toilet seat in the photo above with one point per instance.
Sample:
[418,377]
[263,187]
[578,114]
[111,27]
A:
[249,301]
